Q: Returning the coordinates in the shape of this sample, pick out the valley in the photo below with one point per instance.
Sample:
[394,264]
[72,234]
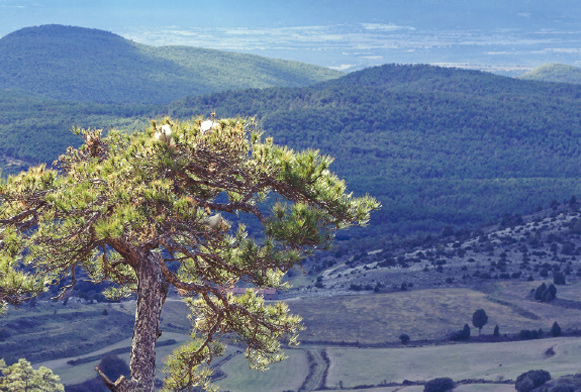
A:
[355,318]
[478,176]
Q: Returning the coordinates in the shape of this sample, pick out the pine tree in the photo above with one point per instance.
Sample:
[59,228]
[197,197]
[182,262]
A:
[150,210]
[21,377]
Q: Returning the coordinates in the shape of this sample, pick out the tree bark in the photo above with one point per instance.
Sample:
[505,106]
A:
[152,291]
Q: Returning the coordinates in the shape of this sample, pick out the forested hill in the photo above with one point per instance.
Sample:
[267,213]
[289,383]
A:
[437,146]
[89,65]
[34,129]
[561,73]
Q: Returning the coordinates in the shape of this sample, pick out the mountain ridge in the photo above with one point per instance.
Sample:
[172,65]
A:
[89,65]
[554,72]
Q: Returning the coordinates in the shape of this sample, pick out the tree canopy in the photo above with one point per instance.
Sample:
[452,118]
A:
[165,207]
[21,377]
[479,319]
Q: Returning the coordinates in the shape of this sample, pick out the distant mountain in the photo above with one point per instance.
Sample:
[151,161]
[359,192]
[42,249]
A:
[437,146]
[89,65]
[561,73]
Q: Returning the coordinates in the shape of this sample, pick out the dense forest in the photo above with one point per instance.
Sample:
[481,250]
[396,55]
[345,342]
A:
[34,129]
[89,65]
[436,146]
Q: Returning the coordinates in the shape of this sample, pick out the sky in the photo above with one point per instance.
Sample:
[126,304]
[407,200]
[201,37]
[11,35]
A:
[341,34]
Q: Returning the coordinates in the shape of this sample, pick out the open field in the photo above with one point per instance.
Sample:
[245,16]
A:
[76,374]
[460,388]
[379,319]
[427,314]
[351,368]
[490,361]
[288,375]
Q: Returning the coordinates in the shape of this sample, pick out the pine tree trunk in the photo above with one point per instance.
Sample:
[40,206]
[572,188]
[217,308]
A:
[151,294]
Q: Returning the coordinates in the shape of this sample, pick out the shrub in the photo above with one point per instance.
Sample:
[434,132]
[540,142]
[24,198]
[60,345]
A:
[546,294]
[532,379]
[404,338]
[442,384]
[464,334]
[114,367]
[556,329]
[559,278]
[496,332]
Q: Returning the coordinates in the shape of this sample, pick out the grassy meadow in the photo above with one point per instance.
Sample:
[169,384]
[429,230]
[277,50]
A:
[57,334]
[426,314]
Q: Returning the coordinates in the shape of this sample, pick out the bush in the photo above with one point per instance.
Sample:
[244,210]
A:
[546,294]
[114,367]
[556,329]
[404,338]
[532,379]
[559,278]
[442,384]
[464,334]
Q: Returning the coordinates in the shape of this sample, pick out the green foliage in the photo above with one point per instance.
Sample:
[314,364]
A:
[15,283]
[438,147]
[21,377]
[88,65]
[532,379]
[124,206]
[34,129]
[561,73]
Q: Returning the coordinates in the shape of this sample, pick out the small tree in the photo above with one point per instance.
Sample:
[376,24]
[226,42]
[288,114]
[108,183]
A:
[556,330]
[496,332]
[21,377]
[148,211]
[404,338]
[479,319]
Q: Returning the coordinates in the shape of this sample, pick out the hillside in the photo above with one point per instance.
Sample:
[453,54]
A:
[35,129]
[561,73]
[437,146]
[89,65]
